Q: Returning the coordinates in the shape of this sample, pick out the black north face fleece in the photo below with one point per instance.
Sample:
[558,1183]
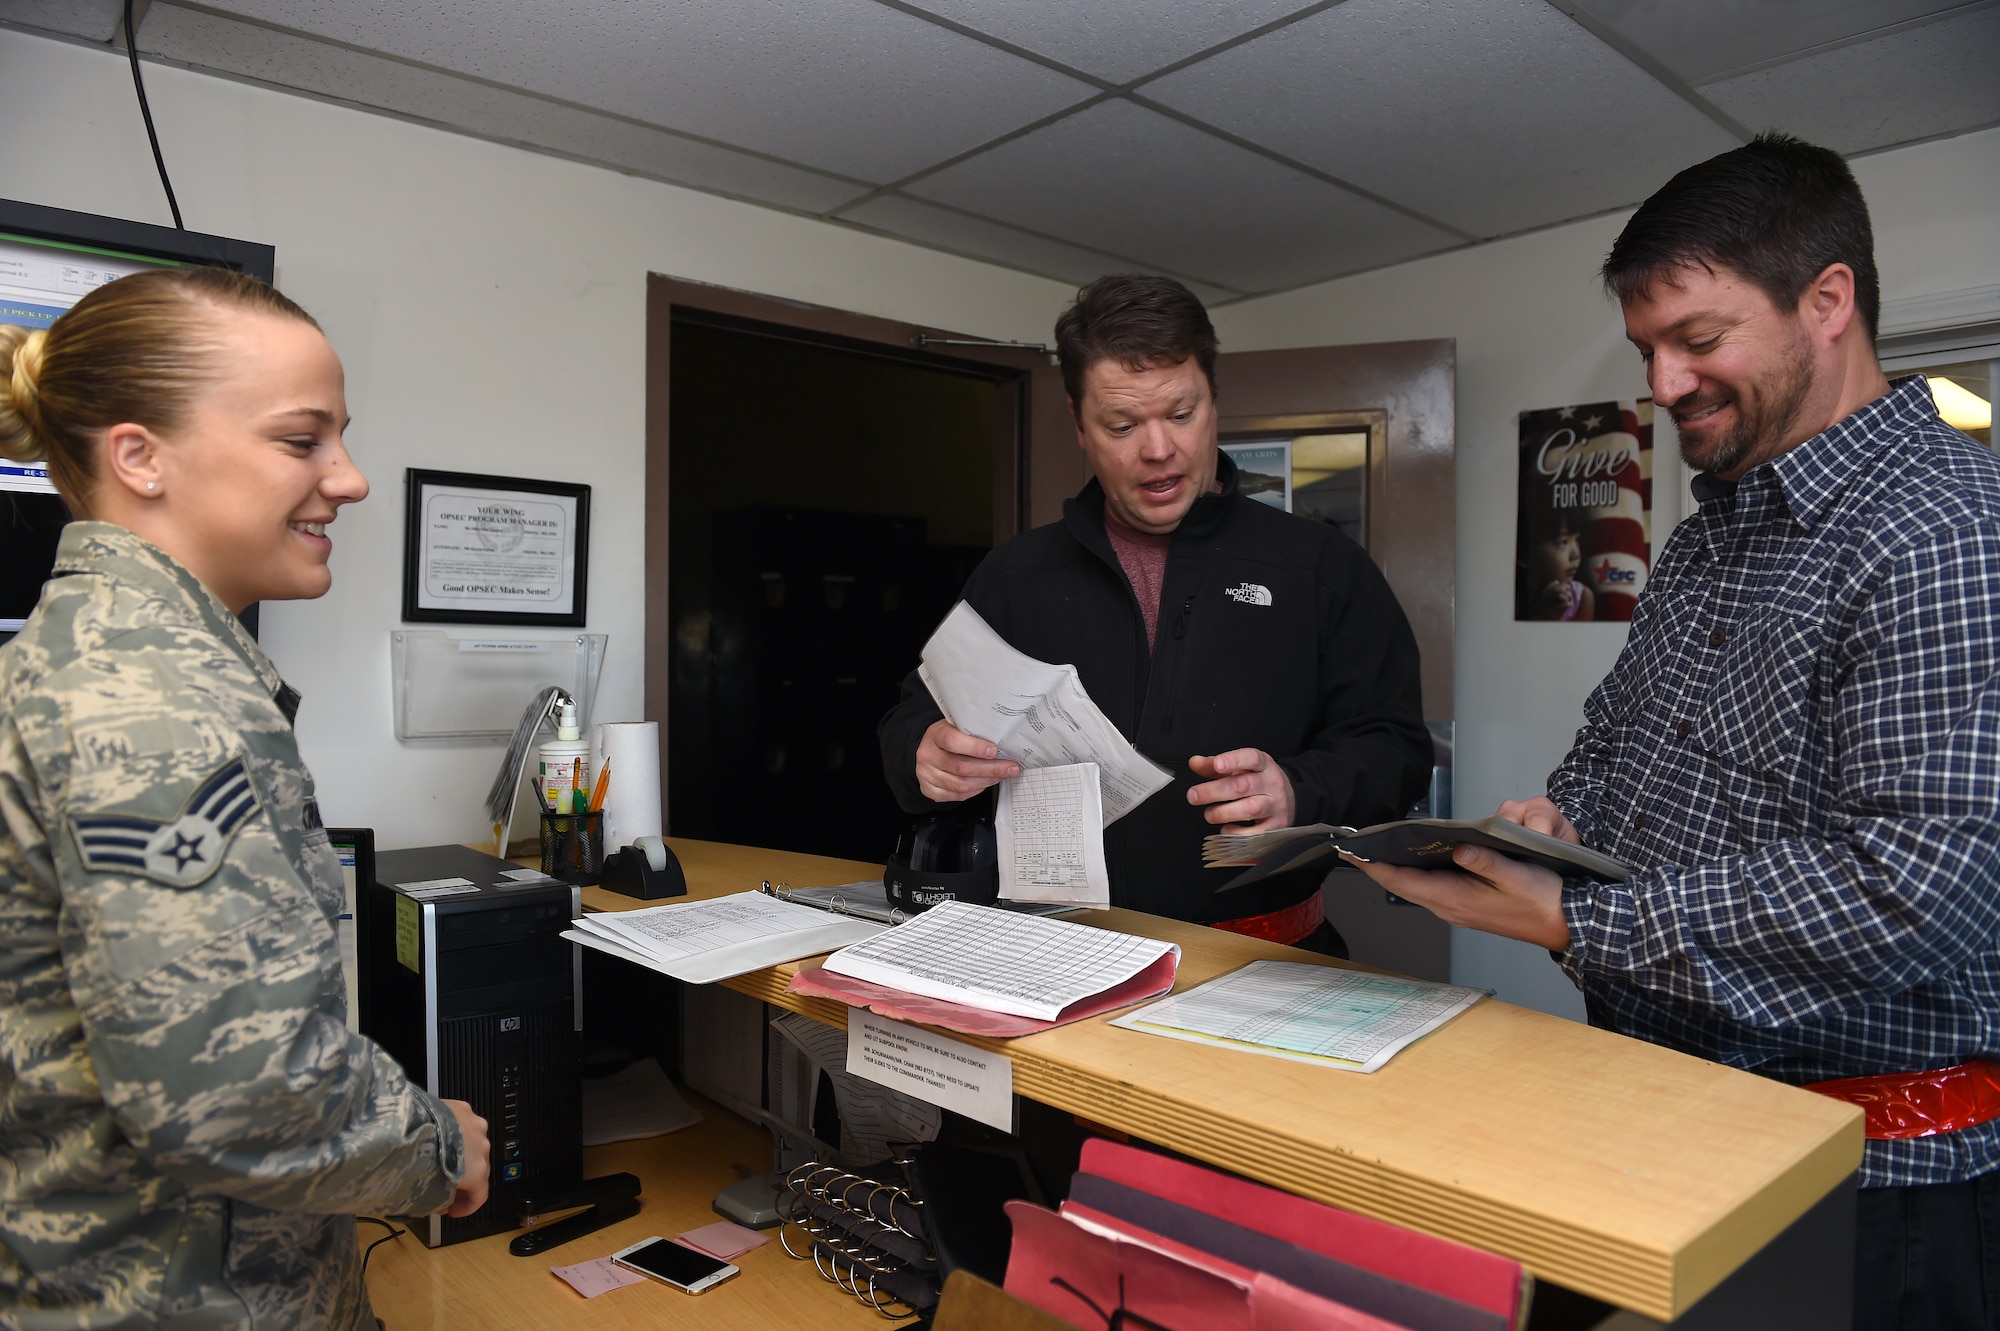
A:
[1275,632]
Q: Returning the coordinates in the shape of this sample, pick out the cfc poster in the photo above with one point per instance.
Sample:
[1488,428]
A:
[1583,539]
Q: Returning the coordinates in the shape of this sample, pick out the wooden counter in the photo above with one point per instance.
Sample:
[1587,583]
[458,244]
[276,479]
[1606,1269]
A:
[1619,1169]
[480,1286]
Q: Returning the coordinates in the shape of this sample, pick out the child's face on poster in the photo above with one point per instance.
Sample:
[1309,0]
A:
[1556,559]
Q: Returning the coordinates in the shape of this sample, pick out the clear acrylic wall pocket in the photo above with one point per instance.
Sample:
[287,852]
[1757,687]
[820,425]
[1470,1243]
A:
[472,685]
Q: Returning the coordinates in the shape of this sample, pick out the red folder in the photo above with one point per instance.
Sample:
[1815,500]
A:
[1087,1269]
[1486,1282]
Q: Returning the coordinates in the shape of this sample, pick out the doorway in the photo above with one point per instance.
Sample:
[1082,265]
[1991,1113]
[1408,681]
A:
[827,499]
[1369,436]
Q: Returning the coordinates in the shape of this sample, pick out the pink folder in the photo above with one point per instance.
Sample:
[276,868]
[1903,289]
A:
[899,1005]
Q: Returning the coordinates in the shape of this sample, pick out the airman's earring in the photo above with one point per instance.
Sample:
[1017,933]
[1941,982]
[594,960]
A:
[149,485]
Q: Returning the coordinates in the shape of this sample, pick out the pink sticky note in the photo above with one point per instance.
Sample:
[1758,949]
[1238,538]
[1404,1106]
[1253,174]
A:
[723,1240]
[591,1279]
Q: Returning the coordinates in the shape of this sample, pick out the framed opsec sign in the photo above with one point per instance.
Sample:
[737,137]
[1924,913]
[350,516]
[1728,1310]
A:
[494,550]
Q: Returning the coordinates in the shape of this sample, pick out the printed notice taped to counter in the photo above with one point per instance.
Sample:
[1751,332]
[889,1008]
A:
[492,550]
[934,1068]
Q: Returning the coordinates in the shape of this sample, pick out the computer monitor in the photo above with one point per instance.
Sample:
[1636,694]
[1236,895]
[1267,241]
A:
[50,258]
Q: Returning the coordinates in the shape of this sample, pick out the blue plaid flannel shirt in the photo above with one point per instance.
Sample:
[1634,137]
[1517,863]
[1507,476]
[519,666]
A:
[1799,747]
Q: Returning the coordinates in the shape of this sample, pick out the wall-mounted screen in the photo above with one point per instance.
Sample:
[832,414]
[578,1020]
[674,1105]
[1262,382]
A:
[50,259]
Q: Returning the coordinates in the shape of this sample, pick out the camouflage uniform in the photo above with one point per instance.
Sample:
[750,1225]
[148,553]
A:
[186,1125]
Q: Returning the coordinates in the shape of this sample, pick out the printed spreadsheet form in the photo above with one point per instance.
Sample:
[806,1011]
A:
[1049,826]
[1325,1015]
[999,960]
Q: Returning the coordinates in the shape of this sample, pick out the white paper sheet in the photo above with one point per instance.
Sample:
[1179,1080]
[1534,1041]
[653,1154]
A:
[1049,823]
[1323,1015]
[705,941]
[1038,714]
[634,1103]
[999,960]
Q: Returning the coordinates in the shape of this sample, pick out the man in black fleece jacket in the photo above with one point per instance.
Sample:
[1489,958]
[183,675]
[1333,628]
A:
[1259,656]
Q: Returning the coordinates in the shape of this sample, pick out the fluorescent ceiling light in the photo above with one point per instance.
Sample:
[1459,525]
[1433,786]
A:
[1961,409]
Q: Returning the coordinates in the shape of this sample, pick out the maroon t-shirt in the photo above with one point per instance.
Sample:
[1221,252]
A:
[1143,556]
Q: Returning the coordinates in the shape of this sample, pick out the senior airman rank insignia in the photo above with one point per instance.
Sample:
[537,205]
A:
[180,852]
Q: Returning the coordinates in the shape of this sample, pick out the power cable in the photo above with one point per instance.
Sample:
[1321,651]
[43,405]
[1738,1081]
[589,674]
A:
[139,85]
[391,1237]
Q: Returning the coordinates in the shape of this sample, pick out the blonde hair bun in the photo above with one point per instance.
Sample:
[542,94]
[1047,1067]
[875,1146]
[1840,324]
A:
[20,369]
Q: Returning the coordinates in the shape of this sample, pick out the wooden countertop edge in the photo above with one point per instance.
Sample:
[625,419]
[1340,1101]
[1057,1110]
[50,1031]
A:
[1712,1255]
[1656,1282]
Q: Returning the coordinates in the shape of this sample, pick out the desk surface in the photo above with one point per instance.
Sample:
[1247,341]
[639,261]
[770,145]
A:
[480,1286]
[1617,1168]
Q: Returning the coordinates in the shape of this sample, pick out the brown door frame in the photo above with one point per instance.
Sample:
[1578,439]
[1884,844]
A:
[1405,393]
[1030,477]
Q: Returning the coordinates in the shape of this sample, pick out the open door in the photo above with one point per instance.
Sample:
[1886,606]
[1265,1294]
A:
[819,484]
[1364,437]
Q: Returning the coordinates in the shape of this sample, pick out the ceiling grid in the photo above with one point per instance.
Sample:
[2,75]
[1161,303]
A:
[1245,146]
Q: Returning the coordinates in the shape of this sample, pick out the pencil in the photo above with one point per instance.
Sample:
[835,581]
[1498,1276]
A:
[603,785]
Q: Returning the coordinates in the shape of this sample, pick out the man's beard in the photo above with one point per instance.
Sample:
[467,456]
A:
[1761,423]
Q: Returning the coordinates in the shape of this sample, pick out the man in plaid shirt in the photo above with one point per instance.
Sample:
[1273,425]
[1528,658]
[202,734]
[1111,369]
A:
[1799,747]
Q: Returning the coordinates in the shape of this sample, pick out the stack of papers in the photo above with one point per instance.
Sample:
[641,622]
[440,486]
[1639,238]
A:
[705,941]
[1038,714]
[1079,774]
[1000,961]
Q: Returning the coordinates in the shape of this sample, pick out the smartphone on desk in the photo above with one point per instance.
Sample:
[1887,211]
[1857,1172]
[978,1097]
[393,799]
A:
[685,1269]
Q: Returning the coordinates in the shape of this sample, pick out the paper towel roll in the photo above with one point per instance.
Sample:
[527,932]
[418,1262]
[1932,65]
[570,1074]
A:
[632,804]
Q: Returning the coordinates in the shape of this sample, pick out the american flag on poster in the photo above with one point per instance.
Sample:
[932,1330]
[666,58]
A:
[1583,543]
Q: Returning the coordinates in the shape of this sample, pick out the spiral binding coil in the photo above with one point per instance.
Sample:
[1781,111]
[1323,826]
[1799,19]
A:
[863,1235]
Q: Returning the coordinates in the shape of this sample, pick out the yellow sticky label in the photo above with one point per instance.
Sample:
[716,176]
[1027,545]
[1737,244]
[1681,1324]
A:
[408,948]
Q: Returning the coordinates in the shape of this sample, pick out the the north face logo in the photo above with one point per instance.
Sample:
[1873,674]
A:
[1249,593]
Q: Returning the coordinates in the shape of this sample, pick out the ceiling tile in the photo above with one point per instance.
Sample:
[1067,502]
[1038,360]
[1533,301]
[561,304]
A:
[979,238]
[1493,116]
[846,86]
[1921,82]
[1119,40]
[93,20]
[1700,39]
[1119,177]
[226,46]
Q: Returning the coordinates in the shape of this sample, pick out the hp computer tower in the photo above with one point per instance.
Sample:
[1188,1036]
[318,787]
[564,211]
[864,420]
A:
[467,982]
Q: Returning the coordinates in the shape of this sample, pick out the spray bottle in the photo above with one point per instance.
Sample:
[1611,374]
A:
[565,765]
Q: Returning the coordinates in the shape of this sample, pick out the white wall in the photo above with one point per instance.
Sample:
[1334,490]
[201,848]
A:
[489,304]
[1535,330]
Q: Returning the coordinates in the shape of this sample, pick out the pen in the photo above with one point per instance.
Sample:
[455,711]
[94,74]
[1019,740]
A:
[603,785]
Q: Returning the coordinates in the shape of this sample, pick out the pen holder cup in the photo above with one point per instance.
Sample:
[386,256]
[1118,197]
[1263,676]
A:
[573,846]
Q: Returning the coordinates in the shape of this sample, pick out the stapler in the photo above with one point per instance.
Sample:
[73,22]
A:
[611,1198]
[646,869]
